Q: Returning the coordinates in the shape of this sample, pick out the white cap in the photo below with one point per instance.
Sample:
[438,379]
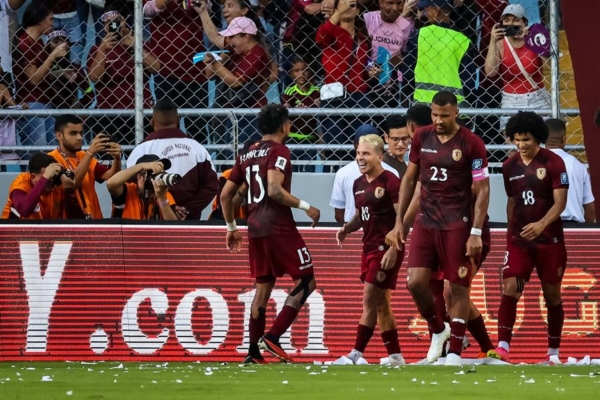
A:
[515,9]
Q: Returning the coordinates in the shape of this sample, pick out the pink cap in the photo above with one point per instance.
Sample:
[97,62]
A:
[240,25]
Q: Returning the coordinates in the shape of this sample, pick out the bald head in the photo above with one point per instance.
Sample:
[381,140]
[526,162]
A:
[557,138]
[164,115]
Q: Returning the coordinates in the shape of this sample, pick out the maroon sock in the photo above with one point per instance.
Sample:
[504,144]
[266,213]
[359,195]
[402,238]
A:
[556,319]
[437,288]
[457,335]
[507,315]
[434,320]
[363,335]
[390,341]
[477,328]
[257,330]
[283,321]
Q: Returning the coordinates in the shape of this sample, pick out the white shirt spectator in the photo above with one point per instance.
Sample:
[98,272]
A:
[580,188]
[5,15]
[342,196]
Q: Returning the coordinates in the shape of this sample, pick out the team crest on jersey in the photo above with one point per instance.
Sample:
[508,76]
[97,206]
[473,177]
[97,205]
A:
[381,276]
[462,272]
[379,192]
[456,154]
[541,173]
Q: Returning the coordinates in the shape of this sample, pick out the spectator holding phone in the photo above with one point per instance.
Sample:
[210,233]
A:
[112,69]
[519,66]
[70,77]
[32,70]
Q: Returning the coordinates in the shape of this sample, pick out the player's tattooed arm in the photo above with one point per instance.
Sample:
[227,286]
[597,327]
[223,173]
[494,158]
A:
[276,191]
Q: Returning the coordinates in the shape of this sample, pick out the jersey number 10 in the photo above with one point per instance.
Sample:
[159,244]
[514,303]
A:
[261,195]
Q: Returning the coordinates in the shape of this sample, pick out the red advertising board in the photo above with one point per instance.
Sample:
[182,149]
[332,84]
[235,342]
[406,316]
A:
[112,292]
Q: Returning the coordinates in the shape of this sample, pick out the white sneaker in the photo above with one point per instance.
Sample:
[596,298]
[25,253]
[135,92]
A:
[466,342]
[393,360]
[361,361]
[437,343]
[553,359]
[343,360]
[453,360]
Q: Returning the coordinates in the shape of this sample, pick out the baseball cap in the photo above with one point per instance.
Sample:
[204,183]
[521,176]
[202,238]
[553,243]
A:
[366,129]
[436,3]
[515,9]
[240,25]
[152,158]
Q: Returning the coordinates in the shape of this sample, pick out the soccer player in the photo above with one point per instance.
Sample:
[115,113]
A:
[448,160]
[376,199]
[420,116]
[536,183]
[275,247]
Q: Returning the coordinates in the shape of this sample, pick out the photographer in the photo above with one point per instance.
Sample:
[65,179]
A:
[111,67]
[87,170]
[520,67]
[137,194]
[70,77]
[39,193]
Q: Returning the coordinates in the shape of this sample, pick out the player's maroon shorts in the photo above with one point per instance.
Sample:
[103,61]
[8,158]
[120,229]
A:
[274,256]
[370,267]
[486,240]
[431,247]
[549,260]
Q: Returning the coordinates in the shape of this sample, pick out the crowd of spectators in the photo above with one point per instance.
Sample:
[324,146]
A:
[328,54]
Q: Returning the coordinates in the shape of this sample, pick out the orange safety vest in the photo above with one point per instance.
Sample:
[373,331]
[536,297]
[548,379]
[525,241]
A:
[49,206]
[134,206]
[89,204]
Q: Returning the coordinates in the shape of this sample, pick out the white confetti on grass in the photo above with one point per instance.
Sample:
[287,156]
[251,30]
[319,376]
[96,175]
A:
[120,366]
[459,373]
[69,393]
[530,381]
[284,382]
[178,381]
[46,378]
[491,380]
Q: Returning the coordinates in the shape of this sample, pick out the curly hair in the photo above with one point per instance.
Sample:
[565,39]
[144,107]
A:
[271,118]
[527,122]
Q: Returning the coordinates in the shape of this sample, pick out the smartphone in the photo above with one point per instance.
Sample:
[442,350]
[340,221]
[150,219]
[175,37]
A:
[511,30]
[64,62]
[115,27]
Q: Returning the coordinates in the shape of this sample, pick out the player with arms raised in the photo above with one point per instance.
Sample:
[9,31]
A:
[275,247]
[448,160]
[376,199]
[536,184]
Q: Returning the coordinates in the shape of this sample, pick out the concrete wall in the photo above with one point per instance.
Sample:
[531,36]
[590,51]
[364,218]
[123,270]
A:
[314,188]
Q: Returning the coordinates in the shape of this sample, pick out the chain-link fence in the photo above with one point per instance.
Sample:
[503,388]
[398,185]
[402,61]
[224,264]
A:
[337,64]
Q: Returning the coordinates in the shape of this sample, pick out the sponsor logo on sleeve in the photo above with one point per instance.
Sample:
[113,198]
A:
[564,178]
[281,163]
[477,164]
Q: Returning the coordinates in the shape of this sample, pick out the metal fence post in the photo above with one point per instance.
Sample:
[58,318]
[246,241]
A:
[555,55]
[138,32]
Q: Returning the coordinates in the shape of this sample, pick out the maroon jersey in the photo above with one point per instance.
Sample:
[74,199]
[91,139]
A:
[266,217]
[375,202]
[447,172]
[532,189]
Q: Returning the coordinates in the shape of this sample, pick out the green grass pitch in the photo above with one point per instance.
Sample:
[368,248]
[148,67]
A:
[110,380]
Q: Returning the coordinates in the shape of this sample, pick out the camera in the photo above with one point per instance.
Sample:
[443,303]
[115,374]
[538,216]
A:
[69,174]
[511,30]
[114,26]
[168,179]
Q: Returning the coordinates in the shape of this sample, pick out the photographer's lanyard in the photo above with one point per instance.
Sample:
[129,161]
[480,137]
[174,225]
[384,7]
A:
[79,189]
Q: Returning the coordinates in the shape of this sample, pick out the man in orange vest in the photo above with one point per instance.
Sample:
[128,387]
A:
[135,195]
[83,200]
[39,193]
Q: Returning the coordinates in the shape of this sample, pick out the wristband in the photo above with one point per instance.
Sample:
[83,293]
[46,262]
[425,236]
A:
[476,231]
[303,205]
[163,203]
[231,226]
